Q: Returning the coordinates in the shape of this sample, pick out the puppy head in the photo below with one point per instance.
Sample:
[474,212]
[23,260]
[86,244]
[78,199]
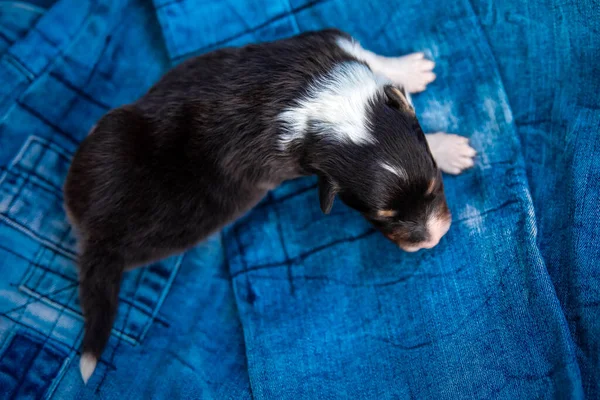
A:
[393,181]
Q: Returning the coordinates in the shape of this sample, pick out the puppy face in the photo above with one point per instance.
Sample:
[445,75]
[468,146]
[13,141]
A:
[395,182]
[415,216]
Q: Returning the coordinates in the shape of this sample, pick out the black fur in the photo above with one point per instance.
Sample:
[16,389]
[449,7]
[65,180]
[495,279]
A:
[201,148]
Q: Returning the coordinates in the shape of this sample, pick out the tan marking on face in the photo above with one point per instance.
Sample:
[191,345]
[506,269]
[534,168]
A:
[437,227]
[386,213]
[431,186]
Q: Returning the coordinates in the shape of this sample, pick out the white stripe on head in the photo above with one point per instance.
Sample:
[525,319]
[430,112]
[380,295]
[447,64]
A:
[337,102]
[398,171]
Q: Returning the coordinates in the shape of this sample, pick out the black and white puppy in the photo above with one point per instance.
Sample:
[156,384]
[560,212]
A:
[207,142]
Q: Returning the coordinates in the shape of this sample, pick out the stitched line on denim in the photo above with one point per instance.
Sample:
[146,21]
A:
[287,14]
[132,332]
[24,176]
[32,364]
[32,201]
[58,290]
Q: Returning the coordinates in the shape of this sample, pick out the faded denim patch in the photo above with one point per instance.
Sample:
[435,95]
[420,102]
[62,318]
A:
[289,303]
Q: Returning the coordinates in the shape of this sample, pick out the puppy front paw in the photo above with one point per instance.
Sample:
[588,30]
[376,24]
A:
[452,153]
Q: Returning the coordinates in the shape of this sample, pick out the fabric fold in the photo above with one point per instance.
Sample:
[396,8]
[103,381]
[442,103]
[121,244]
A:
[287,302]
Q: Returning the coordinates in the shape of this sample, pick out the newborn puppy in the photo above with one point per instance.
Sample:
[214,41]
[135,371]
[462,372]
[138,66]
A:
[207,142]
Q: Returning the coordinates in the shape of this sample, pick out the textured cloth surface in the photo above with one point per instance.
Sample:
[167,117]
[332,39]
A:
[286,302]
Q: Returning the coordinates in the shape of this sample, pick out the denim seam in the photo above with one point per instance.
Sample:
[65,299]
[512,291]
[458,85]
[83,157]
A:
[525,195]
[165,290]
[222,42]
[235,299]
[13,168]
[59,376]
[42,347]
[33,77]
[288,261]
[124,325]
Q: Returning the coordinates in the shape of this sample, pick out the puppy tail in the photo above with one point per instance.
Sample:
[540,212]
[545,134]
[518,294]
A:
[100,274]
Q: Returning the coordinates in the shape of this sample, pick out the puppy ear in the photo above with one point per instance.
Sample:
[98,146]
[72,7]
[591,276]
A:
[397,97]
[327,192]
[393,96]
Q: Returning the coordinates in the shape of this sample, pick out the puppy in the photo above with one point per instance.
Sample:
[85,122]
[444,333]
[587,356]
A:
[208,141]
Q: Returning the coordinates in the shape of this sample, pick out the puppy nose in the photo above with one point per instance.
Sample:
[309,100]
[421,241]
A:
[430,244]
[437,227]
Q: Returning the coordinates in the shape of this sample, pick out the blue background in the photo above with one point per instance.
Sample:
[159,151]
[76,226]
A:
[286,302]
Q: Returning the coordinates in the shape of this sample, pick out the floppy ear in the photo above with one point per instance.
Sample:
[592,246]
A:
[397,97]
[393,96]
[327,192]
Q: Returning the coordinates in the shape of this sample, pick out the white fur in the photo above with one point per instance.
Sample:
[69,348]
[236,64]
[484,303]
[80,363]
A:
[338,103]
[452,153]
[412,71]
[87,365]
[399,171]
[354,48]
[437,227]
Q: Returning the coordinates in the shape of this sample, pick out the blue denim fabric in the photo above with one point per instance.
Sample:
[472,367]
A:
[554,99]
[286,302]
